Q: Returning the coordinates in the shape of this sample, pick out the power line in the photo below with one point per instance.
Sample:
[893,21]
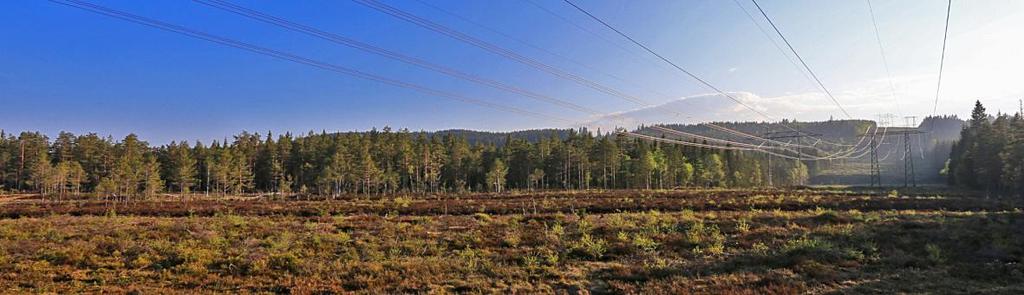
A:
[540,48]
[774,43]
[334,38]
[704,145]
[288,56]
[708,138]
[634,54]
[666,60]
[285,56]
[885,61]
[341,40]
[662,58]
[801,59]
[942,58]
[429,25]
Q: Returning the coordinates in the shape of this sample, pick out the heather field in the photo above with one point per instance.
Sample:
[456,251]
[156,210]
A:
[823,240]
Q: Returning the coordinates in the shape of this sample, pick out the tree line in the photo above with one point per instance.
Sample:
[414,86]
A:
[990,153]
[372,162]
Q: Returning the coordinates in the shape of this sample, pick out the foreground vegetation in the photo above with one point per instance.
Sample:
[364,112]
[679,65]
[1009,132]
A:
[708,241]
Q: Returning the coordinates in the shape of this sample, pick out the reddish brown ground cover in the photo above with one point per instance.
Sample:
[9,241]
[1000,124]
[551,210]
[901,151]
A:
[702,241]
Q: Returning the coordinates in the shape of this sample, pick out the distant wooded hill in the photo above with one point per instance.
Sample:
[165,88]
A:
[941,129]
[931,149]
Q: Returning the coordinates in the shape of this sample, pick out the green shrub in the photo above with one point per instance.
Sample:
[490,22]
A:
[402,202]
[590,246]
[556,231]
[531,262]
[760,248]
[807,245]
[470,258]
[483,217]
[552,257]
[284,262]
[644,243]
[695,234]
[743,225]
[934,253]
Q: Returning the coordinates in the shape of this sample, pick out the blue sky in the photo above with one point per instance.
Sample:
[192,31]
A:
[67,69]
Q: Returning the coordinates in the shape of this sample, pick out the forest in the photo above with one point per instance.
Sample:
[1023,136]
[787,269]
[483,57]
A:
[377,161]
[570,212]
[990,153]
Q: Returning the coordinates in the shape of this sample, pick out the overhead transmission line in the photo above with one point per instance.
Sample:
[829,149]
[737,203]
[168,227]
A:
[287,56]
[713,139]
[280,22]
[564,19]
[881,48]
[704,145]
[673,64]
[634,54]
[801,59]
[591,32]
[125,16]
[376,50]
[341,40]
[677,67]
[429,25]
[541,49]
[83,5]
[352,43]
[662,58]
[885,60]
[775,43]
[942,58]
[291,57]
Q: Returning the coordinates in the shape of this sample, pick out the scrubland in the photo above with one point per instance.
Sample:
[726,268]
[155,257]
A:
[686,241]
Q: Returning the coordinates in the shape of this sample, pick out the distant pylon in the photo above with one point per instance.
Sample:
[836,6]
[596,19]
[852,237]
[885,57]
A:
[876,170]
[909,173]
[909,177]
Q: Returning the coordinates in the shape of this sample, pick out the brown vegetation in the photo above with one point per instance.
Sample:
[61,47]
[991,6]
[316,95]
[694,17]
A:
[740,242]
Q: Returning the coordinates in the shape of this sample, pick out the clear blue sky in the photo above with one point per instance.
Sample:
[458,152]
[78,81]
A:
[67,69]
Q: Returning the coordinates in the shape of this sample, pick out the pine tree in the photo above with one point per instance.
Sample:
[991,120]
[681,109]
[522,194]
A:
[714,170]
[686,171]
[31,155]
[96,156]
[496,175]
[151,184]
[41,175]
[336,173]
[239,174]
[130,169]
[76,176]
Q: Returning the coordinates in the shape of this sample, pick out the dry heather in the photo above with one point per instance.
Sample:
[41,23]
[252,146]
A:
[820,243]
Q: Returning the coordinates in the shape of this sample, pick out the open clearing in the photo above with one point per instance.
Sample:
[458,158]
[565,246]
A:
[692,241]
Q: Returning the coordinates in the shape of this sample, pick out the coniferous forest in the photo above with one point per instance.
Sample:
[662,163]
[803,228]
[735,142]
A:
[377,161]
[990,153]
[987,157]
